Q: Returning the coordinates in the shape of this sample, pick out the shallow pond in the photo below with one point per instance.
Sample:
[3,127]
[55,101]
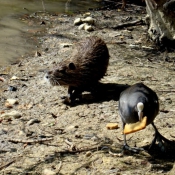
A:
[15,38]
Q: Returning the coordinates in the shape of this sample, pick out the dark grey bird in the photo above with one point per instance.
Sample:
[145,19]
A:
[136,102]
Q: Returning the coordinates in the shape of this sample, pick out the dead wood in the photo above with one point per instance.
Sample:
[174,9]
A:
[29,141]
[128,24]
[161,22]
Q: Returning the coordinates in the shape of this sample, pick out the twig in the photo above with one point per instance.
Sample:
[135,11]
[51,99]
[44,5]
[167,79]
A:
[72,146]
[7,164]
[29,141]
[79,150]
[115,154]
[59,168]
[127,24]
[166,90]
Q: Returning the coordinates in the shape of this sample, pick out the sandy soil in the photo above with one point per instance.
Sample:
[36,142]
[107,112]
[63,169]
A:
[52,138]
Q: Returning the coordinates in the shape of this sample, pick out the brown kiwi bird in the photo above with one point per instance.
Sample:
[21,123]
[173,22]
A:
[138,107]
[87,65]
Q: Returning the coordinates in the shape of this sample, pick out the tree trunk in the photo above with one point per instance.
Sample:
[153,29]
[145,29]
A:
[161,19]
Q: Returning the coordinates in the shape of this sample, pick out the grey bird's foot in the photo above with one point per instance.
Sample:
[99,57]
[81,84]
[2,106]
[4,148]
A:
[133,149]
[161,140]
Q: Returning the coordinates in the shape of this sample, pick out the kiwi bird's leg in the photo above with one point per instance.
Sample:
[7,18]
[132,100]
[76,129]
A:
[127,147]
[160,138]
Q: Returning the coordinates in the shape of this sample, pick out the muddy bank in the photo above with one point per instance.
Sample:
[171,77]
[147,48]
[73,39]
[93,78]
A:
[48,137]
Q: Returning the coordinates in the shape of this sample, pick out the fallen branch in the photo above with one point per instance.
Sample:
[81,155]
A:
[130,23]
[59,168]
[166,90]
[79,150]
[115,154]
[29,141]
[71,145]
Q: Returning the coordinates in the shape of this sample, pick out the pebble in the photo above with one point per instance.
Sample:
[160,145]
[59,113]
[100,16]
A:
[89,153]
[147,48]
[65,45]
[48,172]
[32,121]
[88,28]
[37,54]
[94,138]
[88,136]
[14,114]
[12,101]
[89,20]
[12,88]
[3,131]
[81,27]
[71,127]
[8,105]
[134,46]
[2,79]
[77,21]
[86,14]
[21,133]
[14,78]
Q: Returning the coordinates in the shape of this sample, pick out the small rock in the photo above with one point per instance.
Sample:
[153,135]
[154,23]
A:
[2,79]
[65,45]
[14,78]
[88,28]
[88,153]
[48,172]
[86,14]
[21,133]
[64,107]
[12,101]
[43,23]
[81,27]
[71,127]
[8,105]
[94,138]
[89,20]
[13,150]
[3,131]
[14,114]
[134,46]
[77,21]
[12,88]
[147,48]
[88,136]
[37,54]
[32,121]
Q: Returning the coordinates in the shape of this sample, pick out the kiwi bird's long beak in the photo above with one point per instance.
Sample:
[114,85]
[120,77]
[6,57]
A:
[140,107]
[140,114]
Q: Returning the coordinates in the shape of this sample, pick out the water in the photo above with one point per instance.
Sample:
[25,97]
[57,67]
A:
[14,36]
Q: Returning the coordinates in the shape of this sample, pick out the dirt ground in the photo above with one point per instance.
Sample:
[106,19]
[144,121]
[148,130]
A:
[48,137]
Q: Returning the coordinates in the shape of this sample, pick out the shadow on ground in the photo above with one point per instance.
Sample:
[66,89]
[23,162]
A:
[103,92]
